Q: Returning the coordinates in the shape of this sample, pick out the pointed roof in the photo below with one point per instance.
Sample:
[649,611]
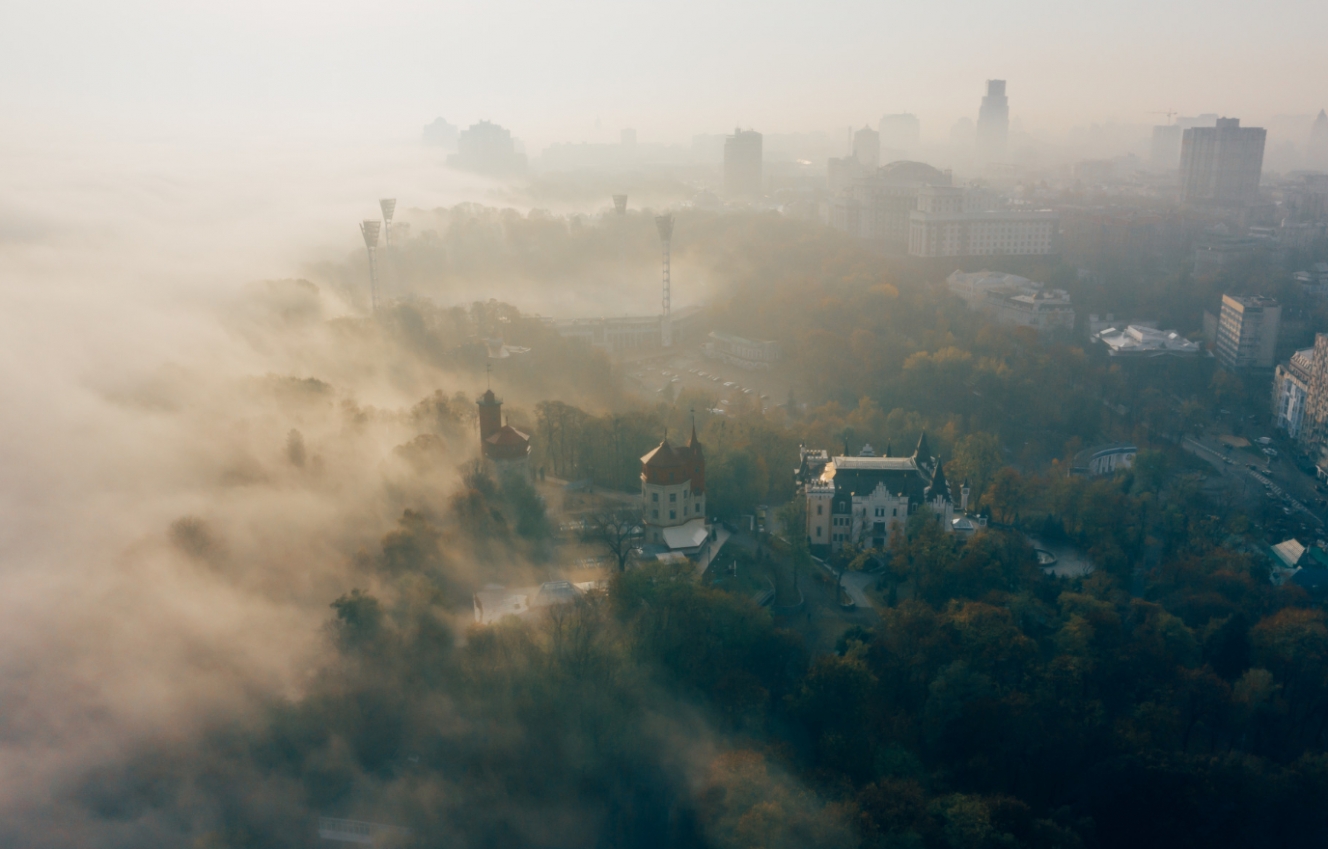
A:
[692,442]
[488,399]
[661,456]
[940,487]
[889,450]
[923,451]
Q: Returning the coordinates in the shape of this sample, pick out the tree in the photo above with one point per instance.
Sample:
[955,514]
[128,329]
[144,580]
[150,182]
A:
[616,531]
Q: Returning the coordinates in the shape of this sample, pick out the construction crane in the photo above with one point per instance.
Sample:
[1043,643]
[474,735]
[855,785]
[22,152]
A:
[1170,113]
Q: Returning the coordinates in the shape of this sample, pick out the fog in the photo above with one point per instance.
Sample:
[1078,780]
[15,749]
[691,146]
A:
[150,377]
[201,439]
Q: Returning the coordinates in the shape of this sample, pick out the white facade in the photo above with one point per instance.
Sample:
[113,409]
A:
[946,223]
[1291,391]
[1140,341]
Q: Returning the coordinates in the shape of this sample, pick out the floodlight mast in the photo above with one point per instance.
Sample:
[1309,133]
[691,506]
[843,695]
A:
[664,223]
[369,229]
[389,207]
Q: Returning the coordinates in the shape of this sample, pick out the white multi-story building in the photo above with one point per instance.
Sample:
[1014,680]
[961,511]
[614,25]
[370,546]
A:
[1247,330]
[1291,389]
[948,222]
[862,500]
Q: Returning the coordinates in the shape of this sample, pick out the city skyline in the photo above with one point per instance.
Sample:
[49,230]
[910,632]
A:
[545,78]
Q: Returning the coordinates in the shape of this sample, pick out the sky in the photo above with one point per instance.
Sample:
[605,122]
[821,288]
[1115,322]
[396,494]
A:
[580,71]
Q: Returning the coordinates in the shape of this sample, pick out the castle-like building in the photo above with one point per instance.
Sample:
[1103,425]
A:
[504,448]
[865,499]
[673,495]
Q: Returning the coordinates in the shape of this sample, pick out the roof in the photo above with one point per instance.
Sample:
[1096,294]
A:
[1139,341]
[661,456]
[689,535]
[508,437]
[1314,578]
[1289,552]
[862,475]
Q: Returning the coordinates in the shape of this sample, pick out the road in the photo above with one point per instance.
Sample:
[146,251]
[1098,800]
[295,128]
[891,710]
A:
[1227,464]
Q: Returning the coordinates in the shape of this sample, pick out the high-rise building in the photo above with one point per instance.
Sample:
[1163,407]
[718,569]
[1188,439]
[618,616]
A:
[487,148]
[900,132]
[993,128]
[743,164]
[1247,332]
[1165,153]
[1318,147]
[1221,165]
[867,148]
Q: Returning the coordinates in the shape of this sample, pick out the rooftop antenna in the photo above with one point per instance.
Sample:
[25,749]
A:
[620,205]
[369,229]
[488,376]
[665,225]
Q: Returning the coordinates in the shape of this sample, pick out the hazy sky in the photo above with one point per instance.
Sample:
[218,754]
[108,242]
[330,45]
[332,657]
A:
[551,71]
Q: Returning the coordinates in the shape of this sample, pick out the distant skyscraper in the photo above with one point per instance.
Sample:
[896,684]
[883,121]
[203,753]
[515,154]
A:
[441,134]
[487,148]
[742,164]
[1221,165]
[1318,148]
[993,120]
[900,132]
[867,148]
[1166,147]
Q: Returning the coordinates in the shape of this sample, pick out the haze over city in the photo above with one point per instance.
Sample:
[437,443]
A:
[706,425]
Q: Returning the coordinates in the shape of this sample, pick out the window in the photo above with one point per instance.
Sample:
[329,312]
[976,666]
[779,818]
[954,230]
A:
[818,530]
[673,496]
[686,493]
[654,496]
[894,512]
[818,509]
[673,514]
[654,514]
[880,512]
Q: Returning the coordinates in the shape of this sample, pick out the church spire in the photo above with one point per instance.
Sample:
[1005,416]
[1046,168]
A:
[923,451]
[940,487]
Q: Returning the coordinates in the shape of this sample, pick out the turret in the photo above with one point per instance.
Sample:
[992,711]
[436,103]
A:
[491,414]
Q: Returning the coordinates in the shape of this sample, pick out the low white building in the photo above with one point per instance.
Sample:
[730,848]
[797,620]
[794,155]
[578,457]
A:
[1104,459]
[1143,342]
[493,603]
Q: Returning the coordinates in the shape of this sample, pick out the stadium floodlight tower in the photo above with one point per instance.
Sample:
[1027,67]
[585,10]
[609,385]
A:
[620,205]
[665,225]
[389,207]
[369,229]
